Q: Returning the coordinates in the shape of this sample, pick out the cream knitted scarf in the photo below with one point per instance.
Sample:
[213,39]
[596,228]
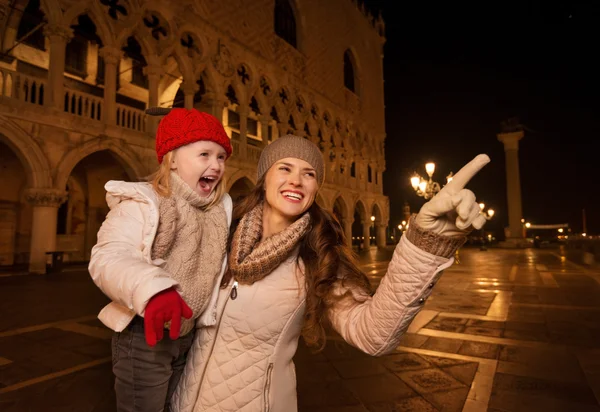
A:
[250,259]
[193,242]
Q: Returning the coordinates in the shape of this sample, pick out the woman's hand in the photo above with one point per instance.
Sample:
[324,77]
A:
[454,210]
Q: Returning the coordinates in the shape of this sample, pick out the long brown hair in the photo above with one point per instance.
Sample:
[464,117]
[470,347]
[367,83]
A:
[326,257]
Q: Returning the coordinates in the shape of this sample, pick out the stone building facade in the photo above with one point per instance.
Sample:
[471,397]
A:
[76,77]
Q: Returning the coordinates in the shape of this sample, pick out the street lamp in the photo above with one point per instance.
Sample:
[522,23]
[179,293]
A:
[427,188]
[488,215]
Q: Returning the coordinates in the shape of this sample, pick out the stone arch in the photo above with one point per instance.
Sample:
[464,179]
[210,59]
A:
[93,11]
[211,80]
[184,64]
[30,154]
[240,92]
[13,22]
[377,213]
[361,209]
[240,183]
[53,10]
[263,103]
[340,208]
[321,201]
[128,159]
[148,49]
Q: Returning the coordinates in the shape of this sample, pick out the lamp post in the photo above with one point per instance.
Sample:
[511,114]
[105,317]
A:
[402,228]
[372,227]
[488,215]
[427,188]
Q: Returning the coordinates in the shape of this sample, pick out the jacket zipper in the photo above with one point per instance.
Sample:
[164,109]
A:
[268,387]
[234,291]
[234,287]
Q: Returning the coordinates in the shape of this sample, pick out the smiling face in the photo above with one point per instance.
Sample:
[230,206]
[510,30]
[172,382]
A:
[290,189]
[200,164]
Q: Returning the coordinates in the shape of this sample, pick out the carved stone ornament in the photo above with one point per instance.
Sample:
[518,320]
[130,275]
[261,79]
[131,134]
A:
[46,197]
[57,30]
[222,60]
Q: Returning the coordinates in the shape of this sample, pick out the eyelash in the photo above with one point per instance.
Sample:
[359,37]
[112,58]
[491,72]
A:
[206,154]
[287,169]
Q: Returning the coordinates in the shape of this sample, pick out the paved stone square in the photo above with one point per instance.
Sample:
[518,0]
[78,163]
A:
[504,330]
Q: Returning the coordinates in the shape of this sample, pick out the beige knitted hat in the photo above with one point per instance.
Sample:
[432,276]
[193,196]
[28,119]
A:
[292,146]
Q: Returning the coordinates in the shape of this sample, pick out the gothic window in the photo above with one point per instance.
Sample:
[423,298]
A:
[370,174]
[114,8]
[84,32]
[231,120]
[244,74]
[254,106]
[252,129]
[231,96]
[353,170]
[133,50]
[179,100]
[285,22]
[265,87]
[32,17]
[349,72]
[274,114]
[283,96]
[76,56]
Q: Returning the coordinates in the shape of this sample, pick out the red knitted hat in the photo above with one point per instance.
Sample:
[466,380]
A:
[182,126]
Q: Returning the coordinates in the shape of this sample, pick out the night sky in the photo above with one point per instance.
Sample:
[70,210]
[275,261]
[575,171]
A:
[453,72]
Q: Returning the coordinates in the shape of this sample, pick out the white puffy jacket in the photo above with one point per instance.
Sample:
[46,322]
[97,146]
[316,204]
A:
[121,264]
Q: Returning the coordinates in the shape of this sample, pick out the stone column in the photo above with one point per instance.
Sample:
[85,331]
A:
[59,36]
[153,73]
[112,57]
[190,88]
[367,234]
[347,224]
[212,104]
[282,127]
[513,184]
[380,235]
[45,204]
[243,112]
[264,126]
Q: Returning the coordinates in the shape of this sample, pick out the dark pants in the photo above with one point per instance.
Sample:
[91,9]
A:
[145,376]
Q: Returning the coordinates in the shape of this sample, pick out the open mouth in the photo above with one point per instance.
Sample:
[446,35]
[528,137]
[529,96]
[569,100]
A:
[293,196]
[207,183]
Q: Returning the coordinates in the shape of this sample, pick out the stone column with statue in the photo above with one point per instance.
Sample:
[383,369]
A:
[510,135]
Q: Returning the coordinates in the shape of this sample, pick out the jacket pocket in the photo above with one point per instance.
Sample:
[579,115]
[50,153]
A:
[267,387]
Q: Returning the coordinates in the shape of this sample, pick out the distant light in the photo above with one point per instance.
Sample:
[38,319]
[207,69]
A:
[430,168]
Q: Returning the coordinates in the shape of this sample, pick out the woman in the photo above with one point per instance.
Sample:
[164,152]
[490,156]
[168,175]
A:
[291,273]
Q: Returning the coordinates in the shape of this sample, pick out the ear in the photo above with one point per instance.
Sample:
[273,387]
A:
[173,165]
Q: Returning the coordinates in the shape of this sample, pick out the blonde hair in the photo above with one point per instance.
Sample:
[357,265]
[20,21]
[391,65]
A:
[161,181]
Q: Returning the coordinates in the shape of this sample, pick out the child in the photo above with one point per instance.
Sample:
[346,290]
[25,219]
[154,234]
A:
[161,255]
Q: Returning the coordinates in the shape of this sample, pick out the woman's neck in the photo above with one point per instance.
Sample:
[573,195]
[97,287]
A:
[273,222]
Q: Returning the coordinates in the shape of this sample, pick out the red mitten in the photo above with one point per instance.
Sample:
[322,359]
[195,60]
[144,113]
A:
[163,307]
